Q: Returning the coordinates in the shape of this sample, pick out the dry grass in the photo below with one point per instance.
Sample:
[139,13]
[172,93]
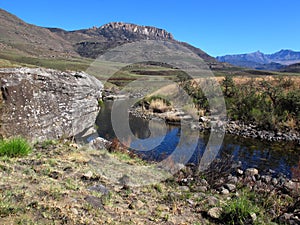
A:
[159,106]
[51,186]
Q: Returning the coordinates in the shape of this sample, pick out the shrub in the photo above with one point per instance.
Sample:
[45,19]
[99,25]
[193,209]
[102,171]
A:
[14,147]
[159,106]
[164,99]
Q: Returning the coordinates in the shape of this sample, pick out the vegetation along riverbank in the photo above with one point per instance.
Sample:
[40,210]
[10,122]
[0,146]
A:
[264,108]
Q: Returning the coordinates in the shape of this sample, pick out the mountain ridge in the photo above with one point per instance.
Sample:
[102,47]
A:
[259,60]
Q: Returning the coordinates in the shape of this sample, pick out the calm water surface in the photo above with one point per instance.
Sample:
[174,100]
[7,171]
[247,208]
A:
[280,157]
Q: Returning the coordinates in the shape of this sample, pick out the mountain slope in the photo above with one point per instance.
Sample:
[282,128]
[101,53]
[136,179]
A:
[95,41]
[294,68]
[259,60]
[21,37]
[285,57]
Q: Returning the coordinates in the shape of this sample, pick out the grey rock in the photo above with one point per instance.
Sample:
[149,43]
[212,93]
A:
[99,188]
[191,202]
[45,104]
[94,201]
[225,192]
[257,177]
[232,179]
[136,204]
[74,211]
[204,182]
[201,189]
[274,181]
[265,178]
[215,212]
[239,172]
[253,216]
[88,175]
[290,185]
[230,187]
[99,143]
[251,172]
[212,201]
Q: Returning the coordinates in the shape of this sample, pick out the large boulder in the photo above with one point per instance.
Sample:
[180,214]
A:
[47,104]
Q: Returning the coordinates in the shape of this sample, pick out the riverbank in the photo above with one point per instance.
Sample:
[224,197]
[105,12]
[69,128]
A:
[175,116]
[58,183]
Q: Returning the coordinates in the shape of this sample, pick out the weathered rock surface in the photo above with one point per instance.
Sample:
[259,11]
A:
[46,104]
[215,212]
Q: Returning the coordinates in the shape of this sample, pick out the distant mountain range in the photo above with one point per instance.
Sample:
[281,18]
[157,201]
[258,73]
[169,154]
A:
[260,61]
[23,39]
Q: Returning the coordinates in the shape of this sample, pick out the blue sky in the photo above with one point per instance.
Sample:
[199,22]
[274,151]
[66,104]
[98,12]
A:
[217,26]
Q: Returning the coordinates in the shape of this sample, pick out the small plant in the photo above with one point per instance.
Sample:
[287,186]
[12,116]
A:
[47,143]
[72,185]
[100,103]
[239,211]
[7,204]
[14,147]
[158,188]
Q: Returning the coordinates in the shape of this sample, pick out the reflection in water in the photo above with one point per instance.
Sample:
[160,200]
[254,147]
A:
[280,157]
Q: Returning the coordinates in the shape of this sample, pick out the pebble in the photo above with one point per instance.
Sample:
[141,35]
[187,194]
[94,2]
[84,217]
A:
[225,192]
[74,211]
[88,175]
[239,172]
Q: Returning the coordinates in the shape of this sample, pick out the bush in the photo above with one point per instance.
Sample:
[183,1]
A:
[164,99]
[14,147]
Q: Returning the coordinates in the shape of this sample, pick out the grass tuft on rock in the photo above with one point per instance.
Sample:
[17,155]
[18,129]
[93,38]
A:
[15,147]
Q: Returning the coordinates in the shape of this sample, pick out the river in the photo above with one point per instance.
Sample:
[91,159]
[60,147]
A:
[278,157]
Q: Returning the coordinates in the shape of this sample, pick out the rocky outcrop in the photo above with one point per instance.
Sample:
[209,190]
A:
[46,104]
[128,30]
[112,35]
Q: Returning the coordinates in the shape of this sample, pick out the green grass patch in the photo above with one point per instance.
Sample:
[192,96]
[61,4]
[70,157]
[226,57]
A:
[240,210]
[15,147]
[12,59]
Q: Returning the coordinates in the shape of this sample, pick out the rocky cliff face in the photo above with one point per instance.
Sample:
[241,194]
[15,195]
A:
[44,104]
[99,39]
[129,31]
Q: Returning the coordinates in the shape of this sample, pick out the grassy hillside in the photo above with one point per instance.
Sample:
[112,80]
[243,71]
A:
[15,59]
[16,35]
